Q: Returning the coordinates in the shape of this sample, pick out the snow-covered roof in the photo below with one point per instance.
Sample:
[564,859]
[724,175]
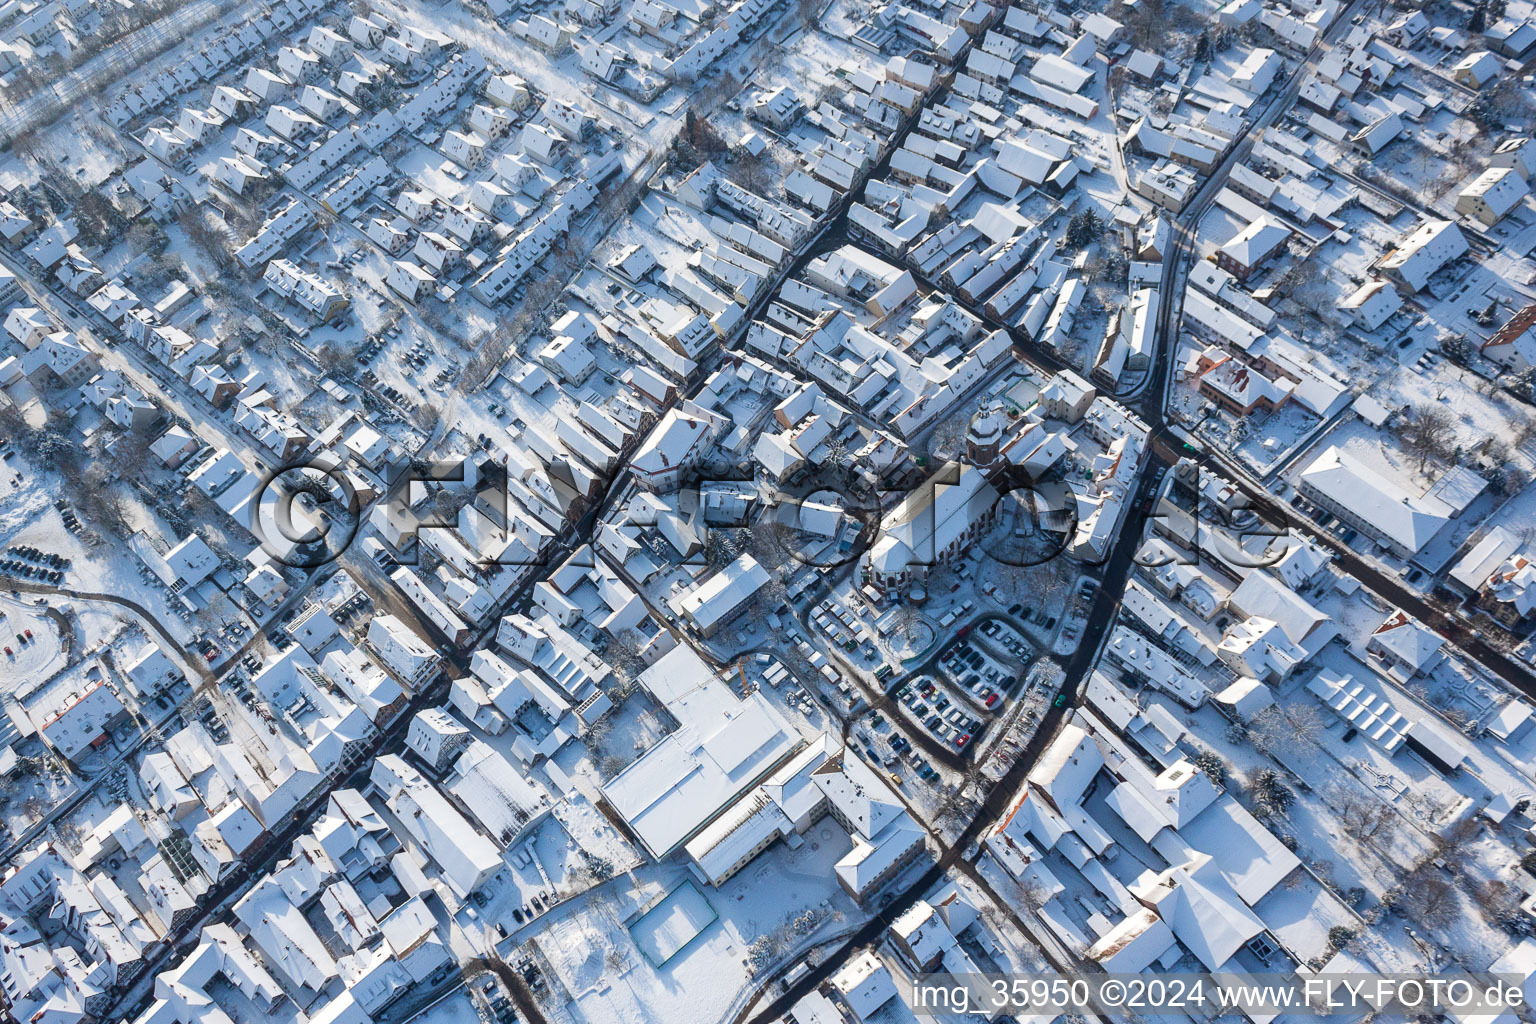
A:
[1263,596]
[722,748]
[1407,641]
[867,803]
[1247,854]
[1500,188]
[1372,303]
[1067,766]
[871,860]
[718,597]
[1385,505]
[466,858]
[1425,250]
[1201,908]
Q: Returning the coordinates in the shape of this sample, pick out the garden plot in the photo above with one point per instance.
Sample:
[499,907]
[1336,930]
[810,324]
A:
[1302,913]
[458,1008]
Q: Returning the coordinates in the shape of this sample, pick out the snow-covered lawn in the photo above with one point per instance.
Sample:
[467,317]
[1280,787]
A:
[458,1008]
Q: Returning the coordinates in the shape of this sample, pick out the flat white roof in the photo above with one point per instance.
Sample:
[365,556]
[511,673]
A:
[722,748]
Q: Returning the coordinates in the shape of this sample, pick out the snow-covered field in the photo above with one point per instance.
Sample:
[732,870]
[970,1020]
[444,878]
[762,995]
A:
[610,982]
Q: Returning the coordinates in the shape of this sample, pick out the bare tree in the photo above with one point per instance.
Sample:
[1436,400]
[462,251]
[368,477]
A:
[333,359]
[624,655]
[1032,894]
[1462,133]
[907,622]
[28,145]
[1286,725]
[1146,24]
[1429,898]
[771,594]
[1500,901]
[948,435]
[1454,839]
[213,238]
[446,503]
[1523,432]
[426,418]
[772,542]
[1426,432]
[836,454]
[1365,819]
[129,457]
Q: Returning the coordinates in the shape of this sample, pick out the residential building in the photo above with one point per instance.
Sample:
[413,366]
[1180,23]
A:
[1251,247]
[1422,253]
[1492,196]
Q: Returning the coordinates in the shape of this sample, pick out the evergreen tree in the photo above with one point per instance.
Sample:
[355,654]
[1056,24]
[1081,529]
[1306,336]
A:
[1083,229]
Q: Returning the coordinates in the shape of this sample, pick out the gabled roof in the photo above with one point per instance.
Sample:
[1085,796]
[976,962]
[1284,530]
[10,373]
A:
[1262,595]
[1501,188]
[1255,241]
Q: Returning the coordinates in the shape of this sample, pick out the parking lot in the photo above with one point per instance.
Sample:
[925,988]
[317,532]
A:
[984,664]
[885,745]
[1036,617]
[969,683]
[411,360]
[936,708]
[841,625]
[33,646]
[26,562]
[1076,615]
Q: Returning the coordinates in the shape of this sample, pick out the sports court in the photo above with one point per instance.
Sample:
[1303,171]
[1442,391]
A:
[663,931]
